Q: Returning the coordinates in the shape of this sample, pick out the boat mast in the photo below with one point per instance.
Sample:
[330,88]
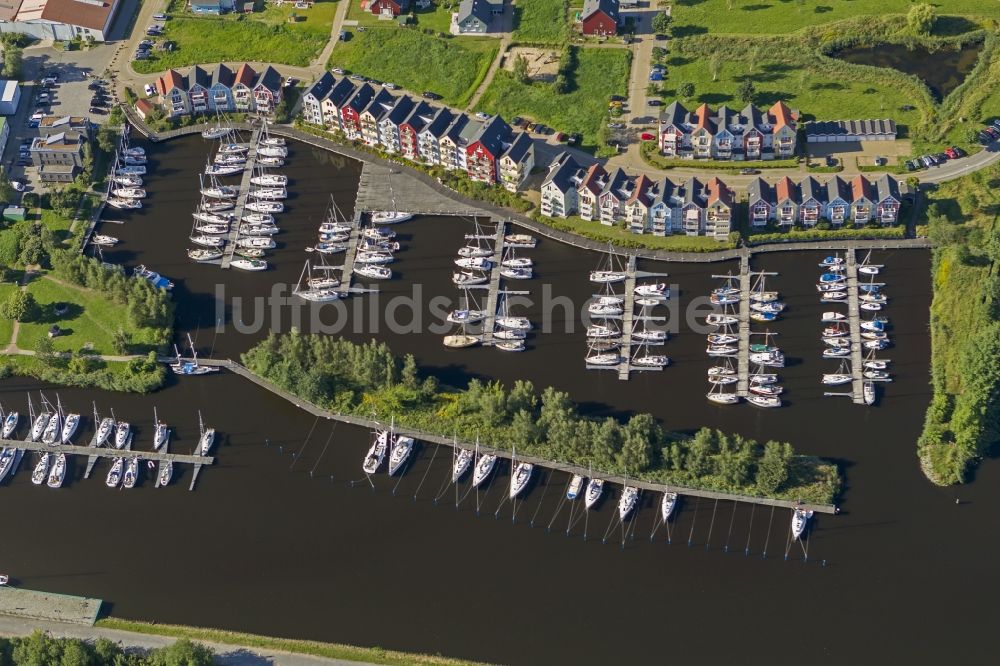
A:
[201,424]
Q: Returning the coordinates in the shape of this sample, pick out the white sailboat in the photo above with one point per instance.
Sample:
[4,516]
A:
[461,462]
[131,472]
[800,519]
[520,478]
[58,472]
[667,505]
[595,488]
[70,425]
[41,471]
[392,216]
[575,486]
[627,502]
[115,473]
[484,465]
[402,446]
[376,453]
[207,437]
[161,433]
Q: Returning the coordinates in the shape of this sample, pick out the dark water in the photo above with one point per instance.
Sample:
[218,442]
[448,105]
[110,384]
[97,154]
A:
[275,544]
[942,70]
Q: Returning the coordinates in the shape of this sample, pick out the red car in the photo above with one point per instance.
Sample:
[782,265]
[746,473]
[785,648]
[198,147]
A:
[646,136]
[950,152]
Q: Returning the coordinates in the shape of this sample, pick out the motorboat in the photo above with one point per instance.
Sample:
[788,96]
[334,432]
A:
[831,261]
[460,464]
[401,448]
[516,273]
[389,217]
[373,271]
[329,248]
[221,192]
[520,240]
[764,296]
[161,435]
[127,181]
[212,229]
[716,319]
[509,334]
[762,378]
[871,307]
[880,375]
[835,331]
[721,350]
[10,425]
[475,263]
[877,345]
[104,431]
[767,401]
[131,472]
[259,230]
[837,342]
[873,325]
[466,316]
[648,301]
[601,331]
[651,361]
[272,151]
[267,160]
[607,277]
[513,323]
[134,160]
[134,151]
[833,296]
[800,518]
[575,486]
[466,278]
[517,262]
[836,352]
[58,472]
[874,335]
[658,290]
[723,338]
[768,359]
[766,389]
[876,364]
[204,254]
[828,278]
[41,471]
[595,488]
[39,426]
[474,251]
[270,180]
[520,478]
[262,206]
[70,425]
[836,379]
[272,141]
[763,316]
[379,233]
[123,430]
[52,429]
[868,270]
[723,299]
[833,317]
[775,307]
[256,242]
[339,239]
[253,265]
[115,473]
[269,193]
[206,240]
[258,218]
[250,253]
[873,298]
[378,258]
[206,441]
[124,204]
[868,392]
[650,335]
[460,341]
[484,465]
[103,240]
[604,359]
[629,498]
[667,505]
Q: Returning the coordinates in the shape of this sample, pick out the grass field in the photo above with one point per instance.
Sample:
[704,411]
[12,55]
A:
[450,67]
[818,98]
[540,21]
[91,318]
[265,36]
[781,16]
[599,73]
[6,325]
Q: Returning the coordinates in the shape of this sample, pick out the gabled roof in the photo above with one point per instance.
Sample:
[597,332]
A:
[619,184]
[760,190]
[703,118]
[456,128]
[836,188]
[861,188]
[782,116]
[492,135]
[520,148]
[466,132]
[752,117]
[663,190]
[786,190]
[222,75]
[561,172]
[420,115]
[92,14]
[439,123]
[400,110]
[270,79]
[478,9]
[725,117]
[719,191]
[811,188]
[379,105]
[359,100]
[340,92]
[593,179]
[198,77]
[887,187]
[321,87]
[675,114]
[694,192]
[641,191]
[245,75]
[172,79]
[609,7]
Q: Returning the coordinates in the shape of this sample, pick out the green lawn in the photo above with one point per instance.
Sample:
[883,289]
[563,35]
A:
[817,96]
[599,73]
[264,36]
[91,318]
[451,67]
[781,16]
[6,325]
[622,238]
[540,21]
[438,17]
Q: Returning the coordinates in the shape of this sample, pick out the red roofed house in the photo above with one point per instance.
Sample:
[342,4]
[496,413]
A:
[589,189]
[267,90]
[172,91]
[719,209]
[386,9]
[484,151]
[143,107]
[704,130]
[783,130]
[243,88]
[599,17]
[863,200]
[787,201]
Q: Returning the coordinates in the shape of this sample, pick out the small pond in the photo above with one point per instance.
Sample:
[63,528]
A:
[942,70]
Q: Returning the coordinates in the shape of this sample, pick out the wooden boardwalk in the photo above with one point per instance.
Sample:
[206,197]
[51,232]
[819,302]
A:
[493,296]
[241,200]
[104,452]
[743,359]
[347,273]
[854,321]
[628,319]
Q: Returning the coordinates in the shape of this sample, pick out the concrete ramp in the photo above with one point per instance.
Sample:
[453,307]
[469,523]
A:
[380,185]
[35,605]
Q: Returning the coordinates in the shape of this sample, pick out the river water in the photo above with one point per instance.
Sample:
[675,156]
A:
[302,546]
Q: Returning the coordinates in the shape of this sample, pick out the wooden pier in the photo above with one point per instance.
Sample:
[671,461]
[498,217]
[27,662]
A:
[854,321]
[104,452]
[743,359]
[493,296]
[628,320]
[241,199]
[347,273]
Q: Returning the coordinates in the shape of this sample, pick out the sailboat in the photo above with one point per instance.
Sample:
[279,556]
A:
[51,433]
[627,502]
[866,267]
[123,431]
[317,289]
[131,472]
[9,424]
[575,486]
[115,473]
[70,425]
[402,447]
[165,471]
[595,488]
[800,519]
[376,453]
[41,471]
[219,130]
[460,463]
[842,376]
[484,465]
[104,430]
[868,392]
[207,437]
[718,396]
[190,367]
[161,433]
[389,216]
[520,478]
[608,272]
[667,505]
[58,472]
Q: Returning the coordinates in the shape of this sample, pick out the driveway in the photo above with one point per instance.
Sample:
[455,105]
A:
[642,60]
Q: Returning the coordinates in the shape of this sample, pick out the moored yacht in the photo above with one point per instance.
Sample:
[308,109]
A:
[520,478]
[658,290]
[800,518]
[460,464]
[252,265]
[627,502]
[69,428]
[122,432]
[161,435]
[206,441]
[10,424]
[716,319]
[204,254]
[376,452]
[667,505]
[373,271]
[468,278]
[115,473]
[484,465]
[389,217]
[131,472]
[595,488]
[104,430]
[607,277]
[41,471]
[575,486]
[401,448]
[52,429]
[58,472]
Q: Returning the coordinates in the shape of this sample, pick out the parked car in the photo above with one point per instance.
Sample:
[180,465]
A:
[656,75]
[993,132]
[98,111]
[150,89]
[748,171]
[391,86]
[516,121]
[482,116]
[17,185]
[910,166]
[357,77]
[530,127]
[617,98]
[540,128]
[927,160]
[647,136]
[141,55]
[344,35]
[616,126]
[290,81]
[950,153]
[941,158]
[561,137]
[338,70]
[958,152]
[431,95]
[996,123]
[880,161]
[574,139]
[374,82]
[160,17]
[654,102]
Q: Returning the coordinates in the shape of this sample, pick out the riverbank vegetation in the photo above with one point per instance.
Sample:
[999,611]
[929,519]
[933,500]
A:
[352,653]
[795,235]
[275,34]
[963,420]
[621,237]
[43,649]
[349,378]
[449,66]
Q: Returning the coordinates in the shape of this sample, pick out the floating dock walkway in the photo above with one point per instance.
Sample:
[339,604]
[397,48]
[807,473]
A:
[743,358]
[854,321]
[105,452]
[493,296]
[347,272]
[241,199]
[628,320]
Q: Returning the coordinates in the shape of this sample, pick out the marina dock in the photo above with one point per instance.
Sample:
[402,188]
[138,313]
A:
[854,321]
[743,360]
[493,296]
[347,273]
[241,200]
[49,606]
[628,319]
[104,452]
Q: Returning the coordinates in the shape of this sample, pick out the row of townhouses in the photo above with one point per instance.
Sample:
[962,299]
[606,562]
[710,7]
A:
[487,150]
[699,207]
[750,134]
[222,90]
[858,200]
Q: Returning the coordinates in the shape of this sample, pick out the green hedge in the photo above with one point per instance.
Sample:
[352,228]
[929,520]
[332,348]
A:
[654,159]
[794,236]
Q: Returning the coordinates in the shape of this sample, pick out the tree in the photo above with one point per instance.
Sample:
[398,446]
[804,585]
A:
[120,341]
[686,90]
[772,468]
[107,139]
[12,57]
[661,23]
[21,306]
[64,201]
[747,91]
[561,85]
[81,364]
[715,65]
[45,350]
[921,18]
[521,69]
[182,653]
